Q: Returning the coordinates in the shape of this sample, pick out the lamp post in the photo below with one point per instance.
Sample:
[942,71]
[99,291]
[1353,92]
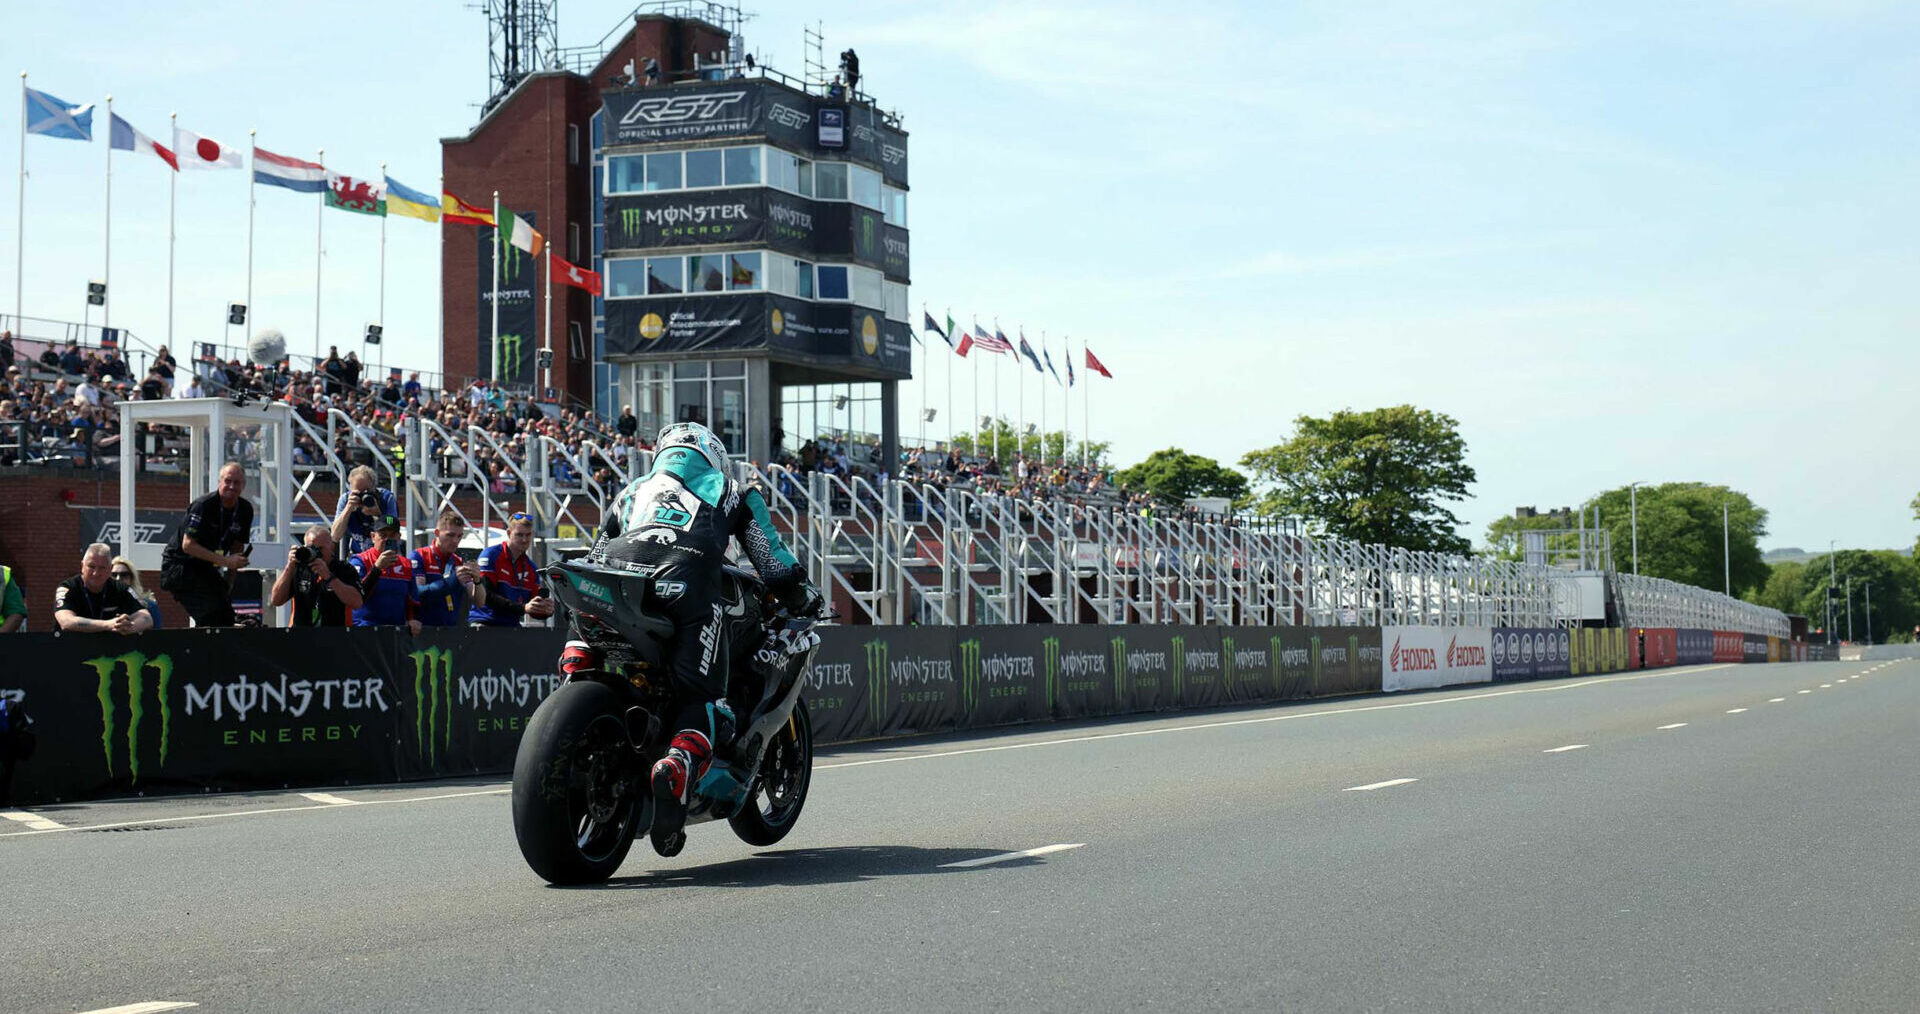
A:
[1849,607]
[1633,522]
[1726,553]
[1832,579]
[1867,587]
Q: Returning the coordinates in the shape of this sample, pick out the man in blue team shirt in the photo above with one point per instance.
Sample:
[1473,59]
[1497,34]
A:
[447,585]
[389,598]
[362,505]
[512,582]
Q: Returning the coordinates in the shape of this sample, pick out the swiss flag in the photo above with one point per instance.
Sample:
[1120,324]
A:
[570,274]
[1094,365]
[196,152]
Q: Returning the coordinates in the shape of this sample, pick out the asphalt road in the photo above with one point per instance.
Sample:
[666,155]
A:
[1758,857]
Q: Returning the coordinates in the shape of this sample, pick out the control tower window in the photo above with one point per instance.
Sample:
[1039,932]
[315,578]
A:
[896,209]
[833,282]
[665,276]
[663,171]
[626,277]
[789,172]
[743,167]
[706,273]
[866,187]
[703,169]
[830,180]
[626,174]
[743,271]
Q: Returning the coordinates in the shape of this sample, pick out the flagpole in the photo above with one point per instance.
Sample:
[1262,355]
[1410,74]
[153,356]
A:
[1043,403]
[996,405]
[319,226]
[926,365]
[494,364]
[380,314]
[546,375]
[173,184]
[1086,410]
[20,215]
[250,158]
[106,274]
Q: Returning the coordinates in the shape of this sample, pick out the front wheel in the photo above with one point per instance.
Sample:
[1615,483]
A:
[576,805]
[781,788]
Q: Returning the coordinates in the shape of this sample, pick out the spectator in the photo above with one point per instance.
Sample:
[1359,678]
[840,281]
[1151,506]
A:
[448,586]
[71,362]
[111,365]
[215,535]
[13,602]
[511,581]
[191,389]
[127,577]
[334,370]
[154,387]
[324,589]
[91,602]
[165,365]
[6,351]
[50,359]
[411,392]
[391,393]
[628,425]
[836,91]
[359,511]
[352,372]
[388,596]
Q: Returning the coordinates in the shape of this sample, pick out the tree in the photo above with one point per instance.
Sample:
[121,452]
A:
[1785,587]
[1175,475]
[1680,533]
[1378,477]
[1052,446]
[1503,536]
[1896,592]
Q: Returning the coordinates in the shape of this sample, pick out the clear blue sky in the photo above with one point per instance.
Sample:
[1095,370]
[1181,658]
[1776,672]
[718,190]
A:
[1616,241]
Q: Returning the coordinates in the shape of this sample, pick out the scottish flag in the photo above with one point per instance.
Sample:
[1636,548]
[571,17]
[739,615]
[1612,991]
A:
[57,117]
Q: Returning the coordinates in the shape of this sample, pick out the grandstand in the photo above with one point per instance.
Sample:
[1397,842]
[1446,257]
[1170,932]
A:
[945,542]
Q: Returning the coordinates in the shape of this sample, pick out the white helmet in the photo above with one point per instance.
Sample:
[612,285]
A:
[698,437]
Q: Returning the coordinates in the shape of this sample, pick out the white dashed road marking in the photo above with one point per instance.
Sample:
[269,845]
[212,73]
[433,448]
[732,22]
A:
[145,1007]
[1775,700]
[1735,711]
[1564,749]
[1379,785]
[1676,725]
[32,820]
[1007,856]
[1803,691]
[1824,686]
[330,800]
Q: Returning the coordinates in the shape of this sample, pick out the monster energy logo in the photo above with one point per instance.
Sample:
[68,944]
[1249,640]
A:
[1050,652]
[1273,660]
[135,665]
[1119,645]
[877,652]
[970,675]
[630,219]
[510,255]
[1179,665]
[1229,670]
[432,702]
[512,346]
[866,232]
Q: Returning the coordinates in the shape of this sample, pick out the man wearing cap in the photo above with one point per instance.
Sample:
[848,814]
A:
[361,506]
[388,597]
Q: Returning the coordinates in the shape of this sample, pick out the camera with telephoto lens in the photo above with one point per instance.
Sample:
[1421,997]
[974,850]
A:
[302,555]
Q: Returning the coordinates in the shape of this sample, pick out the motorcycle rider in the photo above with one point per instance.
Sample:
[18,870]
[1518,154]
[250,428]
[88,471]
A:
[678,520]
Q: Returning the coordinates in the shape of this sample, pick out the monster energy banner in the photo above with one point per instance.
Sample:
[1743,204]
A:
[197,709]
[519,310]
[766,217]
[752,108]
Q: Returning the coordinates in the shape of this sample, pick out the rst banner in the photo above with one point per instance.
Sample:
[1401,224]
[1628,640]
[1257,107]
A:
[1417,658]
[195,709]
[746,108]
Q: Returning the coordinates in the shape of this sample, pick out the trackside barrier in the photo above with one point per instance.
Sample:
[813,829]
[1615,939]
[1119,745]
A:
[191,710]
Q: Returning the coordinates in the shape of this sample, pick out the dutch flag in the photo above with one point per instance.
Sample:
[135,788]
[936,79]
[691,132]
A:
[291,173]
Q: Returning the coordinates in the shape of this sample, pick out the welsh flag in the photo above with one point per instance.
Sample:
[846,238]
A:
[349,194]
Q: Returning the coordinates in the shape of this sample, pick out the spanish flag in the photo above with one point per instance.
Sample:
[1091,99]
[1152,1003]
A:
[455,211]
[404,200]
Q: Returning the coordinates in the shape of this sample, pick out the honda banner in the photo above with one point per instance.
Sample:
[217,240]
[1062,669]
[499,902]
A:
[1659,647]
[1416,658]
[1729,646]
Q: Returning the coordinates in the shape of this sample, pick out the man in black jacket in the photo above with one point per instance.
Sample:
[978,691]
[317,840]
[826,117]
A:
[214,536]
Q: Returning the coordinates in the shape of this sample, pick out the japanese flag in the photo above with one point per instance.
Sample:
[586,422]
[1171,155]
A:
[196,152]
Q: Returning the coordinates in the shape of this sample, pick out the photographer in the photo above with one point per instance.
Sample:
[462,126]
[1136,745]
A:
[323,589]
[360,510]
[448,585]
[389,598]
[91,602]
[214,536]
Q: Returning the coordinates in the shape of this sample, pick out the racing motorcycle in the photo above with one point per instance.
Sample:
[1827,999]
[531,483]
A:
[581,788]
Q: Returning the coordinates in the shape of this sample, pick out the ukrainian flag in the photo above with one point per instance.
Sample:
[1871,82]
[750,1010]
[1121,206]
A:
[404,200]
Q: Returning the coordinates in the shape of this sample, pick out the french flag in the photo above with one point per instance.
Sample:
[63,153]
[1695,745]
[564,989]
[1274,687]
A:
[122,137]
[291,173]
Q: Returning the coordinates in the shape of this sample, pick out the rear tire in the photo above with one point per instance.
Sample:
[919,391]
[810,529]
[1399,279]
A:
[576,807]
[786,772]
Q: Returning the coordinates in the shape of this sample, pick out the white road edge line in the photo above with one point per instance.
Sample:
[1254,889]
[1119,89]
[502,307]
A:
[1676,725]
[1380,785]
[271,809]
[1008,856]
[144,1007]
[1564,749]
[327,798]
[33,820]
